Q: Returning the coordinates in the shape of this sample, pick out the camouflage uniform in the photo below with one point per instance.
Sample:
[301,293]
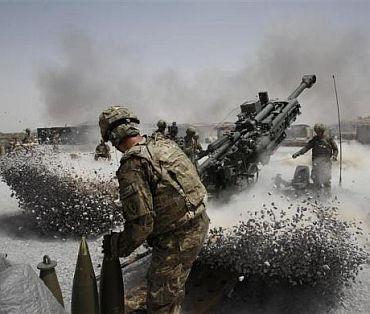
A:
[189,144]
[163,201]
[323,149]
[102,151]
[198,147]
[189,148]
[161,124]
[28,137]
[173,130]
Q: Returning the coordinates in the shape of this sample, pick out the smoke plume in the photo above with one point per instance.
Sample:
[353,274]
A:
[89,77]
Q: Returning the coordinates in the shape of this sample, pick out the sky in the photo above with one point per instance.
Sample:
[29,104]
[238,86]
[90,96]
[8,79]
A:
[62,62]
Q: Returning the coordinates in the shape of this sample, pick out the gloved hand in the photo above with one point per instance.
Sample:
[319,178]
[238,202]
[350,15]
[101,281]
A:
[294,156]
[107,243]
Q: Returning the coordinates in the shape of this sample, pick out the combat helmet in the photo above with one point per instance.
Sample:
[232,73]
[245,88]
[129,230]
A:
[190,131]
[116,123]
[161,124]
[28,131]
[319,127]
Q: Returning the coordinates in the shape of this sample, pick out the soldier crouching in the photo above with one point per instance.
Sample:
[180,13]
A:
[162,201]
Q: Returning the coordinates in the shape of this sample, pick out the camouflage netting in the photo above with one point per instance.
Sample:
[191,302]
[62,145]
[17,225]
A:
[56,200]
[311,246]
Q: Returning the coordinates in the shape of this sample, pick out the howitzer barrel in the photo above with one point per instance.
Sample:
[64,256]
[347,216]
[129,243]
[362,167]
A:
[307,82]
[292,105]
[217,144]
[215,156]
[220,151]
[264,112]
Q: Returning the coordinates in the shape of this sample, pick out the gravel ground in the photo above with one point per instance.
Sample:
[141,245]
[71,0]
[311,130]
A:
[24,246]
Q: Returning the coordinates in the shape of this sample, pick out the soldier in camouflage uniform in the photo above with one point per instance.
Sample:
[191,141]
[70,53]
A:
[173,130]
[163,202]
[161,124]
[189,144]
[324,150]
[28,137]
[102,151]
[199,152]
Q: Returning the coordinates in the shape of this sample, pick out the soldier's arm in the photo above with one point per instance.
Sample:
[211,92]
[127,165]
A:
[137,205]
[304,149]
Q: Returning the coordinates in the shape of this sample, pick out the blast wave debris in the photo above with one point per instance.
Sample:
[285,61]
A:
[310,245]
[58,201]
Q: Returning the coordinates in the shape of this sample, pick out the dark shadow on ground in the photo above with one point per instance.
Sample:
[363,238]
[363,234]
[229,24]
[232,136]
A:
[21,226]
[278,299]
[18,225]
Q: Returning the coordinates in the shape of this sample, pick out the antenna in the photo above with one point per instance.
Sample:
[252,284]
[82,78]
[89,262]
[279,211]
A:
[340,133]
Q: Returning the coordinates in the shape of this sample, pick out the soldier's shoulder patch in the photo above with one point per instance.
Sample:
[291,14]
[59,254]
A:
[128,191]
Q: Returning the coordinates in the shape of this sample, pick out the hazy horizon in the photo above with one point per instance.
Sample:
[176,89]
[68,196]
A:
[63,62]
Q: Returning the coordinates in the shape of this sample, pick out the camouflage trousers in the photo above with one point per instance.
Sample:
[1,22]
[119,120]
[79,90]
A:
[172,259]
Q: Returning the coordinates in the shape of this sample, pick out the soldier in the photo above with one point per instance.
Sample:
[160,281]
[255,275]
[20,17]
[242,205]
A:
[102,151]
[198,147]
[189,144]
[173,130]
[161,124]
[163,202]
[28,137]
[324,150]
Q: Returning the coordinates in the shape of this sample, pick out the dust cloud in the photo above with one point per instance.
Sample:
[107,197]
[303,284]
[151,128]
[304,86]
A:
[352,201]
[89,76]
[353,196]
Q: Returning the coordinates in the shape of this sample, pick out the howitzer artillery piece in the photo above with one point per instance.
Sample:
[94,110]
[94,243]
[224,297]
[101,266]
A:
[258,132]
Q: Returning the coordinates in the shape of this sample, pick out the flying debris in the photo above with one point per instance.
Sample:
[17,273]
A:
[57,201]
[311,245]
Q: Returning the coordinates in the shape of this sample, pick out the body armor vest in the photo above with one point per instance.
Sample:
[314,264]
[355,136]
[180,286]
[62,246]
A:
[322,148]
[178,193]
